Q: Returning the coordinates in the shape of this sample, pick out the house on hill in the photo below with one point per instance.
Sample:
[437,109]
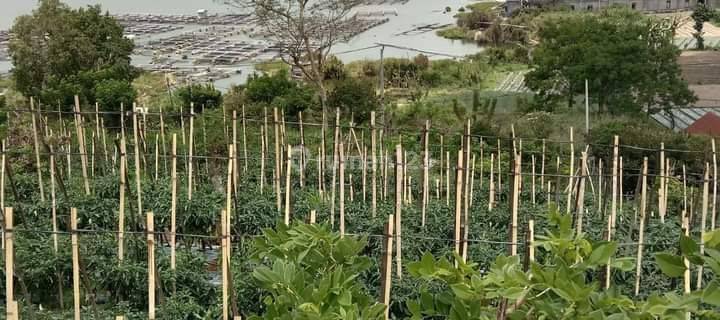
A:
[589,5]
[701,69]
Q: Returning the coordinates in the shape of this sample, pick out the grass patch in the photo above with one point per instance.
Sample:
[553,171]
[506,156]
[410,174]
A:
[271,67]
[455,33]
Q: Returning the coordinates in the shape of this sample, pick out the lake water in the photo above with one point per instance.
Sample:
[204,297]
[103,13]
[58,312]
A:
[410,15]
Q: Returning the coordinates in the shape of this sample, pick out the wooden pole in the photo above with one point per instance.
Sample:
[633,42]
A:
[447,178]
[641,236]
[661,194]
[458,200]
[715,187]
[121,211]
[491,196]
[157,157]
[276,181]
[336,139]
[373,163]
[426,173]
[173,203]
[137,164]
[613,205]
[515,207]
[302,151]
[53,200]
[342,188]
[75,262]
[190,154]
[364,174]
[81,143]
[162,139]
[532,188]
[245,152]
[542,166]
[37,149]
[581,193]
[531,240]
[288,173]
[386,270]
[151,264]
[224,265]
[398,206]
[263,142]
[572,170]
[442,155]
[9,261]
[236,168]
[703,221]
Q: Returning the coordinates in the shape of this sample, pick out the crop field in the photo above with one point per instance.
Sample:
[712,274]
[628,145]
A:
[230,214]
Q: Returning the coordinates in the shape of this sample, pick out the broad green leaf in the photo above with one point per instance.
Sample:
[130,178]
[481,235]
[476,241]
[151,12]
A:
[688,246]
[602,253]
[711,294]
[671,265]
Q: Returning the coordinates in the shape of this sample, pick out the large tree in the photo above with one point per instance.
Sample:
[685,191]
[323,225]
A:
[307,29]
[628,59]
[58,52]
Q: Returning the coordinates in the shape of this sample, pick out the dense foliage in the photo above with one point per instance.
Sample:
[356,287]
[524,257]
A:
[58,52]
[628,59]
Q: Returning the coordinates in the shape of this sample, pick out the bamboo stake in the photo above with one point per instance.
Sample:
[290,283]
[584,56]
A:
[190,154]
[373,164]
[2,188]
[151,264]
[157,157]
[715,187]
[542,167]
[75,262]
[288,173]
[386,163]
[499,168]
[472,181]
[9,260]
[387,266]
[13,311]
[532,188]
[245,152]
[342,188]
[92,152]
[398,207]
[581,193]
[600,185]
[276,180]
[81,142]
[620,186]
[320,173]
[613,205]
[661,194]
[482,159]
[447,179]
[364,174]
[608,237]
[336,139]
[641,236]
[408,191]
[121,211]
[531,240]
[352,188]
[37,149]
[224,265]
[263,143]
[426,173]
[458,200]
[515,205]
[468,204]
[173,203]
[706,190]
[572,170]
[137,164]
[313,216]
[437,189]
[53,200]
[491,196]
[162,139]
[236,168]
[302,151]
[686,274]
[442,155]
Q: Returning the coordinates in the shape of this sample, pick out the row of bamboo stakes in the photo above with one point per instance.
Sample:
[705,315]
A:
[464,184]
